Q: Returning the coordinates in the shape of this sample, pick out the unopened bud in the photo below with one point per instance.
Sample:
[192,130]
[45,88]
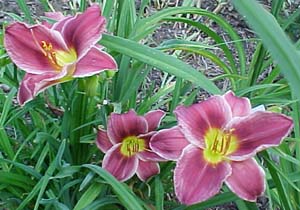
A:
[91,85]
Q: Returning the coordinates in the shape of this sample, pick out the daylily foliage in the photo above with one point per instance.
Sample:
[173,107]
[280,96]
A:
[52,54]
[218,139]
[214,142]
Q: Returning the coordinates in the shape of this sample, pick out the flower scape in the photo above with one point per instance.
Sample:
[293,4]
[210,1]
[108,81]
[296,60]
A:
[115,125]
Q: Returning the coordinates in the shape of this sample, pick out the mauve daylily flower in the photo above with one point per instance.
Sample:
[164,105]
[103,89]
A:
[52,54]
[218,139]
[126,144]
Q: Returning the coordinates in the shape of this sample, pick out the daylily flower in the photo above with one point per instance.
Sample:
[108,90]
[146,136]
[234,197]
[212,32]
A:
[126,144]
[52,54]
[219,138]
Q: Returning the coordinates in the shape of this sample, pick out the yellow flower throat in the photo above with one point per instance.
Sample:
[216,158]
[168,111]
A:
[219,144]
[59,57]
[132,145]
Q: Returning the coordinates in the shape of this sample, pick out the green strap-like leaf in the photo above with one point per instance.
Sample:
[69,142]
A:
[274,39]
[126,198]
[89,196]
[160,60]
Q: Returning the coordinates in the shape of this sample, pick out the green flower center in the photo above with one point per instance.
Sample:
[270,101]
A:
[219,144]
[132,145]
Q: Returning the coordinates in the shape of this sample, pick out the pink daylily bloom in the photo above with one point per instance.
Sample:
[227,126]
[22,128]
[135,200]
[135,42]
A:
[219,138]
[52,54]
[126,144]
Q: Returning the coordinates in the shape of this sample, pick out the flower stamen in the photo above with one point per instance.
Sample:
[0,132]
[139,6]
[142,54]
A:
[49,52]
[227,138]
[132,145]
[219,143]
[45,46]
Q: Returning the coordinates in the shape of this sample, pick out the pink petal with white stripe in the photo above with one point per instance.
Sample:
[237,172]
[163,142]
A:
[195,179]
[240,106]
[59,19]
[55,15]
[259,131]
[148,154]
[121,167]
[58,26]
[154,118]
[103,142]
[169,143]
[121,126]
[247,179]
[94,62]
[23,45]
[84,30]
[196,119]
[146,169]
[33,84]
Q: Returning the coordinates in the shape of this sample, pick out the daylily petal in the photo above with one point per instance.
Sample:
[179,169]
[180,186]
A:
[93,63]
[27,87]
[239,106]
[247,179]
[41,33]
[33,84]
[146,169]
[58,26]
[23,46]
[196,180]
[169,143]
[84,30]
[121,126]
[121,167]
[154,118]
[148,154]
[198,118]
[46,24]
[55,15]
[258,131]
[103,142]
[58,17]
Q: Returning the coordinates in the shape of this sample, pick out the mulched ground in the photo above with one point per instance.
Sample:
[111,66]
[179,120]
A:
[170,31]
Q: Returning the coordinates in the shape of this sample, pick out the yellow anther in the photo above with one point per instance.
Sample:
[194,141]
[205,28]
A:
[48,52]
[45,46]
[57,57]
